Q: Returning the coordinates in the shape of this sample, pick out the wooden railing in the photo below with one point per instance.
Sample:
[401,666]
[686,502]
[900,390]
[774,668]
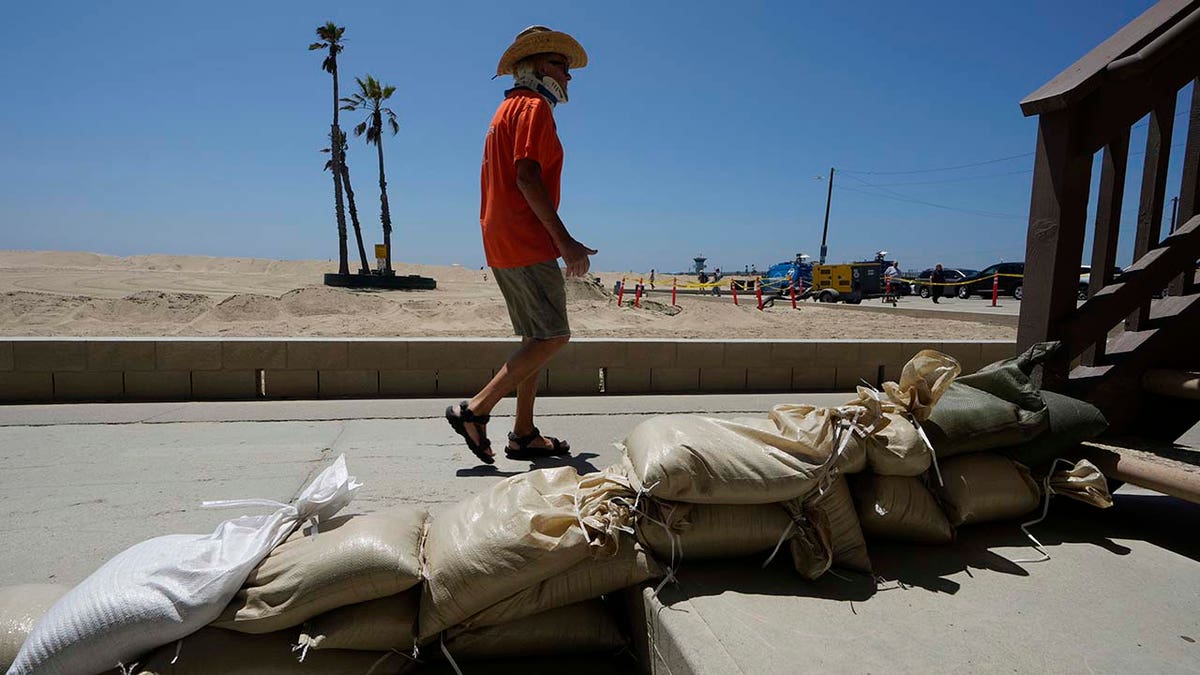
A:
[1122,329]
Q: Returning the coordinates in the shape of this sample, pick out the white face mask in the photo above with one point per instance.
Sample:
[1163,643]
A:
[545,85]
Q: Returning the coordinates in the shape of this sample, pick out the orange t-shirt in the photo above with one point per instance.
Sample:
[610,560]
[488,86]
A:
[522,128]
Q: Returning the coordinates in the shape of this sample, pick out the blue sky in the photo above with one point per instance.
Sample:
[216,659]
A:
[699,128]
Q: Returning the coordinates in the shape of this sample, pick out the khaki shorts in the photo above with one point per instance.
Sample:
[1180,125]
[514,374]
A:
[537,299]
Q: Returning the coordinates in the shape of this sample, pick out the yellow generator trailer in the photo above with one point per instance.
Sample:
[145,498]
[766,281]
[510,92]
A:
[847,282]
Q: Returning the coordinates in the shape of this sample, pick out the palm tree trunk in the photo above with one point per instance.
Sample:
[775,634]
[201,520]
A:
[335,140]
[385,214]
[362,252]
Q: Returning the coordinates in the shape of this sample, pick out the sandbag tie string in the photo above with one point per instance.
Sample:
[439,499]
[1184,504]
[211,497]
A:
[787,531]
[1037,545]
[932,453]
[446,653]
[312,519]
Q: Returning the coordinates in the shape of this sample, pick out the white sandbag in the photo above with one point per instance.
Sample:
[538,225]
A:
[703,460]
[681,531]
[583,628]
[20,608]
[522,531]
[589,579]
[214,651]
[375,625]
[983,487]
[347,560]
[899,508]
[160,590]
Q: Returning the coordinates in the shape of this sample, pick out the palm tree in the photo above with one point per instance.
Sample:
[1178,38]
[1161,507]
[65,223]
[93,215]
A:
[362,252]
[370,97]
[331,37]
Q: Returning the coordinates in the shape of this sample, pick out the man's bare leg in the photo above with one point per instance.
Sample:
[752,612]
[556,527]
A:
[523,365]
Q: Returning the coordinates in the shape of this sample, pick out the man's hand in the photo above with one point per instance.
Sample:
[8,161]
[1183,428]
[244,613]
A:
[576,255]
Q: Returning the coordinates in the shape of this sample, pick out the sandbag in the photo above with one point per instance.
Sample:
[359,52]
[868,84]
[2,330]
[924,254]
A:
[898,448]
[811,543]
[972,420]
[703,531]
[849,548]
[374,625]
[523,530]
[591,578]
[983,487]
[160,590]
[899,508]
[690,458]
[20,608]
[348,560]
[817,428]
[1070,422]
[210,651]
[582,628]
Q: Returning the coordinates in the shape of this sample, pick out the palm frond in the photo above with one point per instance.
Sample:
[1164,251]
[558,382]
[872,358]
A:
[317,45]
[358,130]
[394,125]
[373,136]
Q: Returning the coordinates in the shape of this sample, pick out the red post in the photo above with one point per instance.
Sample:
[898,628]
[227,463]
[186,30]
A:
[995,287]
[637,298]
[733,289]
[793,296]
[758,292]
[674,283]
[621,292]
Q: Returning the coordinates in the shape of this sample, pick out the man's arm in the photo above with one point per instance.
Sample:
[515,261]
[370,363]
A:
[529,181]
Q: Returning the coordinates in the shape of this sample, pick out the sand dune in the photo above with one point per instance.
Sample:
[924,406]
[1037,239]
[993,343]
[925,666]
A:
[56,293]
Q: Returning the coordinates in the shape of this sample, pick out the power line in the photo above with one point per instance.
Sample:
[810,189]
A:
[909,200]
[957,180]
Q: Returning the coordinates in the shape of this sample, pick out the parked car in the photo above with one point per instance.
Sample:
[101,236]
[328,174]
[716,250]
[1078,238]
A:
[953,274]
[1085,278]
[1011,281]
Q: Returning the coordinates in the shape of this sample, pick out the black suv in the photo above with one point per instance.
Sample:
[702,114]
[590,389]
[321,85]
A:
[953,274]
[981,283]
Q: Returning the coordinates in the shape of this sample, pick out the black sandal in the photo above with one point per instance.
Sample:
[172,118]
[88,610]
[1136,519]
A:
[555,448]
[459,422]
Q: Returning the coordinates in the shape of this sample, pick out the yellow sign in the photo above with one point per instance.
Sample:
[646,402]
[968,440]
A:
[380,251]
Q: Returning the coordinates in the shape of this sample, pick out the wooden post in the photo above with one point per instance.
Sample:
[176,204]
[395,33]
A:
[1054,246]
[1108,227]
[1154,193]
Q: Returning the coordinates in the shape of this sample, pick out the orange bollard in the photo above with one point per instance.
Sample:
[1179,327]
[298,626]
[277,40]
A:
[793,296]
[995,287]
[674,282]
[733,289]
[637,298]
[758,293]
[621,292]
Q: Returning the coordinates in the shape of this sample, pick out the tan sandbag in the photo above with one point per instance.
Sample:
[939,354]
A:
[817,427]
[923,381]
[375,625]
[1083,482]
[898,449]
[983,487]
[582,628]
[210,651]
[849,548]
[811,543]
[20,607]
[702,531]
[591,578]
[703,460]
[521,531]
[899,508]
[350,559]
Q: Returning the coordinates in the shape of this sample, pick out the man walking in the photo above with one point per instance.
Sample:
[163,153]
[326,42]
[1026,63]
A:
[936,279]
[523,236]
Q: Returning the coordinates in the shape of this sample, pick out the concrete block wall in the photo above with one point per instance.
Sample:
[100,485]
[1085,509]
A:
[150,369]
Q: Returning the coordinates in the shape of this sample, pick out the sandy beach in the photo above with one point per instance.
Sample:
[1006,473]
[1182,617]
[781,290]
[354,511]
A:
[52,293]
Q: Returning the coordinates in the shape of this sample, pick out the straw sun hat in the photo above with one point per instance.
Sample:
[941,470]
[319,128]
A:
[540,40]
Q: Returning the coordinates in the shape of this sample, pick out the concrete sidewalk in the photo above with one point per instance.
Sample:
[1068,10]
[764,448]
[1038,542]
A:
[83,482]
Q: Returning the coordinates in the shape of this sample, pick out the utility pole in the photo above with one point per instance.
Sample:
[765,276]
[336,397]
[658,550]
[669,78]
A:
[1174,211]
[825,231]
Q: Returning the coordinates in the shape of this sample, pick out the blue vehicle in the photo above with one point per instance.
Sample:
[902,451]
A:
[782,276]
